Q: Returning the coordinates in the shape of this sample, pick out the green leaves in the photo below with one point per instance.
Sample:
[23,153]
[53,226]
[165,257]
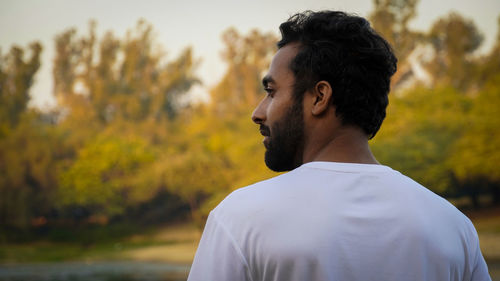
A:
[100,176]
[421,127]
[476,152]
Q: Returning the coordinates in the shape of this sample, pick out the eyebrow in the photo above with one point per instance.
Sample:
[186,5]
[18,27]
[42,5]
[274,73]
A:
[267,79]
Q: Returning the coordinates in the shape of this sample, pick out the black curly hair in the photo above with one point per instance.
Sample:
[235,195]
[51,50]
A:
[345,51]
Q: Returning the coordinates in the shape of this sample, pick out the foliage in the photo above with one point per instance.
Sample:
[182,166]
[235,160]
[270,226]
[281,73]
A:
[391,19]
[28,155]
[454,39]
[16,77]
[476,156]
[247,57]
[103,174]
[421,128]
[127,79]
[121,143]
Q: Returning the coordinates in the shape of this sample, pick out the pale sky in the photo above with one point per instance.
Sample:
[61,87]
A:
[196,23]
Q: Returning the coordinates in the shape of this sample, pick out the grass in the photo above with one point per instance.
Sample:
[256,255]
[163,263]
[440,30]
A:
[174,244]
[179,245]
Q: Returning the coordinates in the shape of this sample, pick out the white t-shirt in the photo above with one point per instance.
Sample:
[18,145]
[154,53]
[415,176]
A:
[338,221]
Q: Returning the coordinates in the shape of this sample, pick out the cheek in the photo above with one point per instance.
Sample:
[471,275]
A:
[276,109]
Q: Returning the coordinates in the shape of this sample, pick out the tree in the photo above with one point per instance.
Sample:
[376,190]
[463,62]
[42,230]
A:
[103,175]
[28,170]
[120,98]
[476,153]
[418,135]
[27,145]
[127,79]
[489,65]
[454,39]
[246,58]
[390,18]
[16,78]
[475,156]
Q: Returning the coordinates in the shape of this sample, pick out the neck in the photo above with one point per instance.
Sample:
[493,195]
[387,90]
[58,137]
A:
[348,144]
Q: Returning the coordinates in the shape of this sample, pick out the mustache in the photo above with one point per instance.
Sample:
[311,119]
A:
[264,130]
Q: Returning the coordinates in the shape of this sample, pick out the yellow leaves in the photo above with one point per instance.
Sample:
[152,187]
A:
[476,152]
[28,153]
[439,135]
[418,135]
[125,78]
[247,57]
[100,175]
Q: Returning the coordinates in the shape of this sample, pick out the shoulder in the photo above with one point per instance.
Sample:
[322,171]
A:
[424,200]
[249,206]
[428,213]
[250,197]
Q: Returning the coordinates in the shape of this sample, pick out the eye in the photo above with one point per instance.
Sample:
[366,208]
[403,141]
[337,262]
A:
[269,91]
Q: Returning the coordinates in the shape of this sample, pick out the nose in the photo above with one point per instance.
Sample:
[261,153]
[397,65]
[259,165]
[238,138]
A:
[259,113]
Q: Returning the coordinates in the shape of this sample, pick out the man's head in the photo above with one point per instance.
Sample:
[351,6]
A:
[346,52]
[323,49]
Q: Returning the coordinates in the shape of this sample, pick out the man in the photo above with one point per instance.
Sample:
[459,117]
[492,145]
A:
[338,214]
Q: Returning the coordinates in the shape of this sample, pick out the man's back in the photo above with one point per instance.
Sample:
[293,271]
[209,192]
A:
[338,221]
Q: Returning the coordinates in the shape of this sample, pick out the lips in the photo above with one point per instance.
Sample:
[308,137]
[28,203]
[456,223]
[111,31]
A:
[264,131]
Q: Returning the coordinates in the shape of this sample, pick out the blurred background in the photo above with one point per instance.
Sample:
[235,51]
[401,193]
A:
[123,123]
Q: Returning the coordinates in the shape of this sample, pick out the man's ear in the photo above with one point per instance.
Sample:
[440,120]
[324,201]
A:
[322,95]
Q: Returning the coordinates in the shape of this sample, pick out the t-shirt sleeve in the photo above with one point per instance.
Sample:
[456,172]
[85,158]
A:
[218,257]
[480,269]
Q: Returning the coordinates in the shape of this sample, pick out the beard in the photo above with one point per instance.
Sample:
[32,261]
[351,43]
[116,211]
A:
[286,140]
